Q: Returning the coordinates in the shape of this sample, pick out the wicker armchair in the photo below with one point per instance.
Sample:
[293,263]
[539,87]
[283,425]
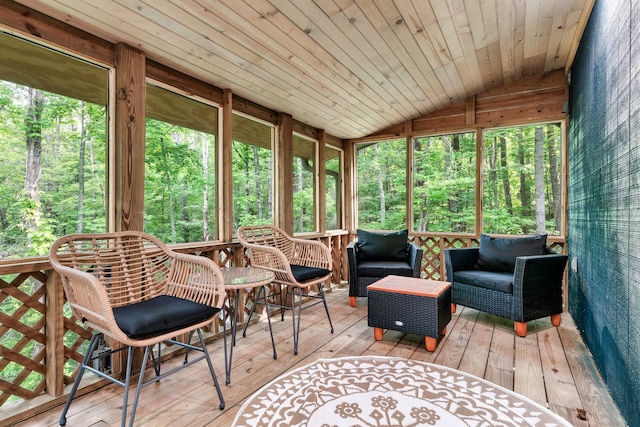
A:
[297,263]
[519,279]
[131,287]
[376,255]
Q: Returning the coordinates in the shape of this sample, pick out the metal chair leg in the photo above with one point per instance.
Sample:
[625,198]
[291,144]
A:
[253,308]
[296,329]
[234,324]
[266,307]
[140,383]
[76,383]
[213,374]
[324,301]
[125,399]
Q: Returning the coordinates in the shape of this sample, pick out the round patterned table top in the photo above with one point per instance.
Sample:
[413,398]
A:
[386,391]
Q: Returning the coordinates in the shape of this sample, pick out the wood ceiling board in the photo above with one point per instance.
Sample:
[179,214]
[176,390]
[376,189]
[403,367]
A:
[350,67]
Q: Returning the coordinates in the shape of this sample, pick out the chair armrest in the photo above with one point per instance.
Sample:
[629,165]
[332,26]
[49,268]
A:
[536,272]
[352,257]
[87,297]
[460,260]
[538,281]
[311,253]
[196,278]
[415,258]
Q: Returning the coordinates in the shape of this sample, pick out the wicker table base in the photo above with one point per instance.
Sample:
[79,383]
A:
[412,305]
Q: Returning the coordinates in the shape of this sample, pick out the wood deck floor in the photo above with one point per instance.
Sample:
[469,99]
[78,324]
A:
[551,366]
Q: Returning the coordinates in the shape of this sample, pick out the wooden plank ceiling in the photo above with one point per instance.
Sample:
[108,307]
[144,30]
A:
[351,67]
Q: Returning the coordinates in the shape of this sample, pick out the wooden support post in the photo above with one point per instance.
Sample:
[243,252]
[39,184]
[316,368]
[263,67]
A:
[320,178]
[54,330]
[284,173]
[225,168]
[130,137]
[130,133]
[470,107]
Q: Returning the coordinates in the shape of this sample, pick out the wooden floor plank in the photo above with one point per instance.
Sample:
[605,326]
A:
[501,357]
[475,362]
[597,404]
[559,383]
[550,363]
[529,380]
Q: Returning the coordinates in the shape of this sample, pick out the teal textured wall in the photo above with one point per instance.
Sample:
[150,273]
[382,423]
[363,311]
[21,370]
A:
[604,197]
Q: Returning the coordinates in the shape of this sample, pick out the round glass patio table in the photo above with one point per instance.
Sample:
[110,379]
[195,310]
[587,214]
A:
[236,279]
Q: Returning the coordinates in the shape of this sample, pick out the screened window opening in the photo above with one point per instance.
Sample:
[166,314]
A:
[381,169]
[253,172]
[333,187]
[53,139]
[180,167]
[522,180]
[444,177]
[304,184]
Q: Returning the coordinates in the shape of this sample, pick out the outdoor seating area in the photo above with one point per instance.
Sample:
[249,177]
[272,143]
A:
[374,255]
[337,207]
[516,278]
[549,367]
[130,287]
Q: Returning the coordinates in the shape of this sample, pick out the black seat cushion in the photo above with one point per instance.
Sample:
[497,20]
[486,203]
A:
[302,273]
[159,315]
[495,280]
[382,246]
[500,253]
[384,268]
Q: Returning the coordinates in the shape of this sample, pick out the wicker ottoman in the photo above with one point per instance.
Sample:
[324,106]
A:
[411,305]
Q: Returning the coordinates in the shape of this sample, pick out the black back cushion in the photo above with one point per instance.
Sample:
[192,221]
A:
[382,246]
[500,253]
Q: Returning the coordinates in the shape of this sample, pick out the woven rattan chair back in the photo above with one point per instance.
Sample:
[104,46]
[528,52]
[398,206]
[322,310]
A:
[273,249]
[101,273]
[125,268]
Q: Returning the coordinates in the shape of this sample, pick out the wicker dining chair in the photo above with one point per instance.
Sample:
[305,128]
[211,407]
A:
[297,263]
[131,287]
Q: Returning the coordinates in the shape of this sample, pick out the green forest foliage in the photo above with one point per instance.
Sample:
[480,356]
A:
[71,152]
[521,182]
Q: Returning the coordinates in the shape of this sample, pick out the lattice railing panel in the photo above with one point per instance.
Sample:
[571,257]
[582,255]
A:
[431,262]
[433,265]
[22,339]
[76,341]
[23,316]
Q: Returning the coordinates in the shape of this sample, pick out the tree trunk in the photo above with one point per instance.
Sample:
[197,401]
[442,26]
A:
[256,174]
[504,173]
[81,156]
[493,174]
[168,190]
[451,146]
[33,127]
[554,177]
[524,192]
[205,197]
[539,179]
[383,207]
[299,188]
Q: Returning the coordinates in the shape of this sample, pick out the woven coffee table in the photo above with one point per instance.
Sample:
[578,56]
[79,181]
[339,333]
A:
[411,305]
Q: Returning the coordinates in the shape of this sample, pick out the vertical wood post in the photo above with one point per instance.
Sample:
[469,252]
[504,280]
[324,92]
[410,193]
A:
[225,168]
[479,183]
[130,134]
[320,178]
[409,182]
[130,137]
[54,331]
[284,173]
[350,179]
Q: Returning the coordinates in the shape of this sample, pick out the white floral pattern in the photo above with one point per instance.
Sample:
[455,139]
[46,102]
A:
[385,392]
